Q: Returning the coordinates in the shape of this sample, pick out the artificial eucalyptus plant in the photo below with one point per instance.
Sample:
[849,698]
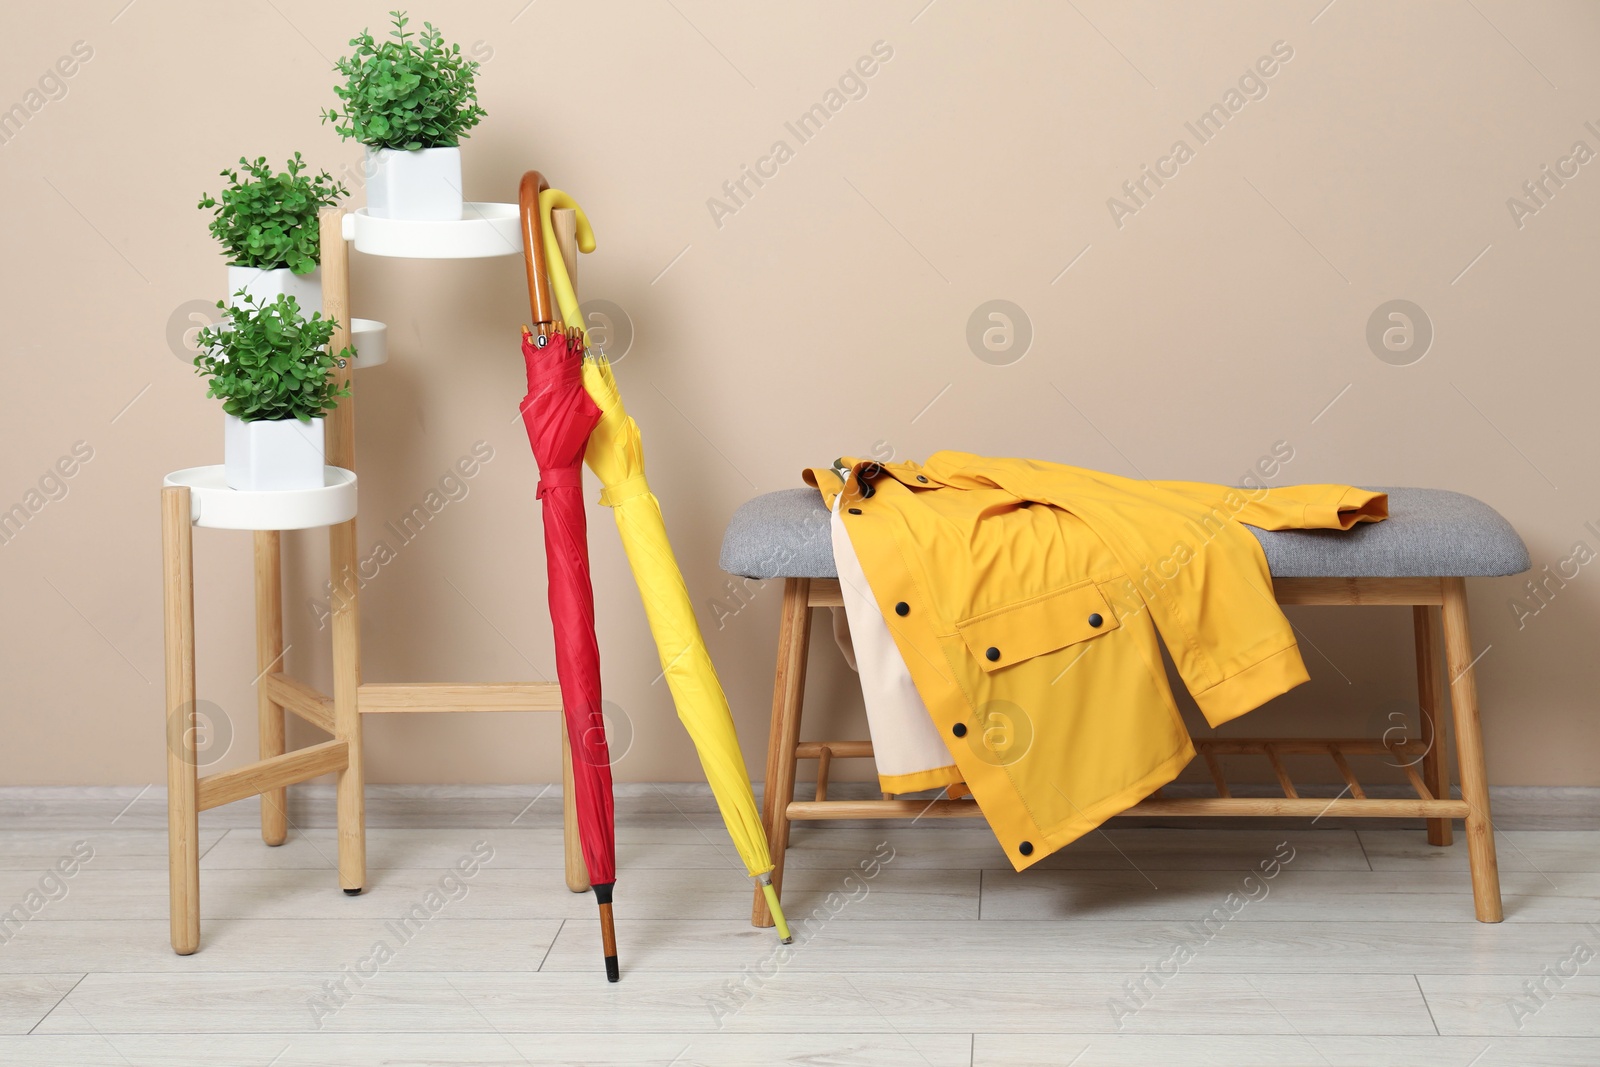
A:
[267,361]
[269,220]
[409,92]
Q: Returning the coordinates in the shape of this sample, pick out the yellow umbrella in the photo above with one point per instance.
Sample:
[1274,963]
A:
[616,455]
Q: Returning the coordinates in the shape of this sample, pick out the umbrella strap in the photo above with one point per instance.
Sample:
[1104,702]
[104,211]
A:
[560,478]
[623,491]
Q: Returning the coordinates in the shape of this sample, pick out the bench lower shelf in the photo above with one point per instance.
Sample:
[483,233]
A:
[1352,801]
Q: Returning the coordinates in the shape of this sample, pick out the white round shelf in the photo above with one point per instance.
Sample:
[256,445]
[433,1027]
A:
[484,230]
[370,339]
[213,504]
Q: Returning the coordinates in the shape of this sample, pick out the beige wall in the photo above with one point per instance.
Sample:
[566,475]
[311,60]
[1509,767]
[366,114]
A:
[827,315]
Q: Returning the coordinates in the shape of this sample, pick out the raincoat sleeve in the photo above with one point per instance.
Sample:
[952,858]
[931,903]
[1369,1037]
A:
[1293,507]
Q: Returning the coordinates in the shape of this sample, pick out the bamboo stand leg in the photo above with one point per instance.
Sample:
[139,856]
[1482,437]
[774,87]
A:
[183,812]
[1469,753]
[564,221]
[1435,772]
[788,693]
[342,562]
[352,809]
[269,650]
[577,872]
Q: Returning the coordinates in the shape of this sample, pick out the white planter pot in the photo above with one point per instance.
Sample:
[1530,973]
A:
[266,285]
[285,454]
[370,339]
[420,186]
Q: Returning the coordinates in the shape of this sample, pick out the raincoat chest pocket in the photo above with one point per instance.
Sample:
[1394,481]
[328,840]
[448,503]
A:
[1040,624]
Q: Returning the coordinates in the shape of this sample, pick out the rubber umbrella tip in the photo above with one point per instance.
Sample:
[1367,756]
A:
[776,911]
[608,933]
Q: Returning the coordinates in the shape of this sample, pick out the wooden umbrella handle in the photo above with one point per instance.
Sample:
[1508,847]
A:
[539,301]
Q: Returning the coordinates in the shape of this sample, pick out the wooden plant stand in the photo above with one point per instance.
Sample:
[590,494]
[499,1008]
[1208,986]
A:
[488,230]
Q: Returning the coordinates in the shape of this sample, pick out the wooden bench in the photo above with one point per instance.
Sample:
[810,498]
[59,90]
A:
[1420,556]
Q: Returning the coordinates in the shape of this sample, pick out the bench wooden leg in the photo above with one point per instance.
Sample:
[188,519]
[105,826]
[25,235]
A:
[1435,770]
[183,809]
[269,650]
[1459,663]
[788,693]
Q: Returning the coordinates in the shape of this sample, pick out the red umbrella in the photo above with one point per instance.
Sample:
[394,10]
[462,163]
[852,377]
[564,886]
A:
[559,414]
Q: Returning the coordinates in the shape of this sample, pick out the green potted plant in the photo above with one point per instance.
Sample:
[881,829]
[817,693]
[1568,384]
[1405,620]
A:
[270,366]
[267,224]
[410,99]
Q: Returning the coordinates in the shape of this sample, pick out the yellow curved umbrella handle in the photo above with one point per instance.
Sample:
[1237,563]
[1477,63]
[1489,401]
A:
[560,280]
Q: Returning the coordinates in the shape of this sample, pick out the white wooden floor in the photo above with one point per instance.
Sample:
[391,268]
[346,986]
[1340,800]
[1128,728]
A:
[1361,951]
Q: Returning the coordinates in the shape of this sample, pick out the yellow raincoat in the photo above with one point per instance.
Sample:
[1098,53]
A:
[1026,597]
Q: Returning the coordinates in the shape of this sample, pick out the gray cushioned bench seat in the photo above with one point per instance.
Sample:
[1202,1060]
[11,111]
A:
[1430,533]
